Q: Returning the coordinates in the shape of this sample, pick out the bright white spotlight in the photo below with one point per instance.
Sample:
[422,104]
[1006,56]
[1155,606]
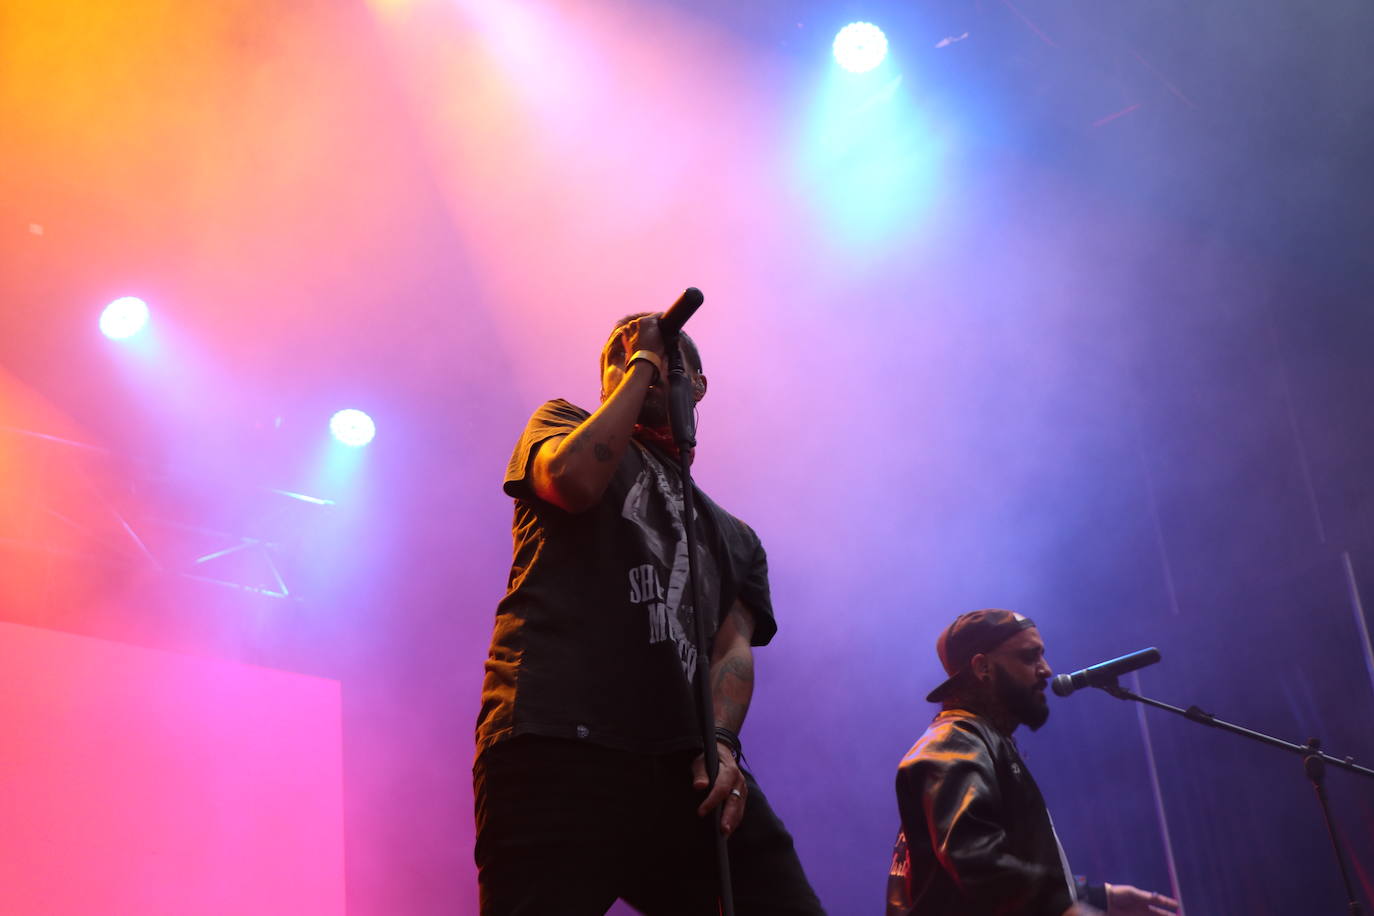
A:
[123,318]
[352,427]
[860,46]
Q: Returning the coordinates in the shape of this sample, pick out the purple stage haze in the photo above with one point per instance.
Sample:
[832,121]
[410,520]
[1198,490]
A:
[1066,312]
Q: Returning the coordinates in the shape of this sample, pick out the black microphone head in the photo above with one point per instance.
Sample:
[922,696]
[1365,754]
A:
[1062,685]
[672,320]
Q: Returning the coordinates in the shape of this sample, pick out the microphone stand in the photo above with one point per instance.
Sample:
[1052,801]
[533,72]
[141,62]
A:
[680,405]
[1314,764]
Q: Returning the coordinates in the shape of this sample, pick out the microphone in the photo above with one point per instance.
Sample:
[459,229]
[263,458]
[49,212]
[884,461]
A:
[671,321]
[1104,674]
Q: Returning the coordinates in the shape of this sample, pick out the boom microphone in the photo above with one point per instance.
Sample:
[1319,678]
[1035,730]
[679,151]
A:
[671,321]
[1104,674]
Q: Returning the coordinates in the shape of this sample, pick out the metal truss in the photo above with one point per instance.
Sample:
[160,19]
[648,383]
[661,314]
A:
[74,500]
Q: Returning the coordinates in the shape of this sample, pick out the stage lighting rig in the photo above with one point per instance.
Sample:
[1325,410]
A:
[123,318]
[352,428]
[860,47]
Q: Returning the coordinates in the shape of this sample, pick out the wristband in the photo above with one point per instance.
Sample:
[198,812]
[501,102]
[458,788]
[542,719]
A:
[730,740]
[650,357]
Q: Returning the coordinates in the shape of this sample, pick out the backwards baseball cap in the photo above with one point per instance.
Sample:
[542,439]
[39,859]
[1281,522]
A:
[972,634]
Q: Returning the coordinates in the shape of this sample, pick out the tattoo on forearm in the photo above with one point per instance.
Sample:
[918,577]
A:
[743,620]
[732,684]
[738,668]
[603,452]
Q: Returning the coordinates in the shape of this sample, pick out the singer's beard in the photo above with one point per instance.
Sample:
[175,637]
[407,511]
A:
[1026,705]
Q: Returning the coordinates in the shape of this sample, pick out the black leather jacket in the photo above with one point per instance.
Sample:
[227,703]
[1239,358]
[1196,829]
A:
[976,838]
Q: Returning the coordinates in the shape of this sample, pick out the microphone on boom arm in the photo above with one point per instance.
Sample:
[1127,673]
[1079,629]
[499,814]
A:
[1105,673]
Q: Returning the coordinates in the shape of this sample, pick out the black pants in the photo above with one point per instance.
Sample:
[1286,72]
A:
[566,827]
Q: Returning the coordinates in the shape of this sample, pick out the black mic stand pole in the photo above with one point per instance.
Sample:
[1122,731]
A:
[1314,764]
[680,404]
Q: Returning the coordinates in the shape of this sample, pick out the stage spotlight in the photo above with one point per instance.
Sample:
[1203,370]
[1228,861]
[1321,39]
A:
[352,427]
[123,318]
[860,46]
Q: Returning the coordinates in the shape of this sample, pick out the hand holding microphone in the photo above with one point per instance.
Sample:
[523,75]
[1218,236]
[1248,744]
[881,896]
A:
[672,320]
[653,338]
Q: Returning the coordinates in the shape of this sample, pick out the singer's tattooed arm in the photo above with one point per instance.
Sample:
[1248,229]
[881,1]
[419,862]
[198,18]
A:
[732,668]
[732,686]
[573,477]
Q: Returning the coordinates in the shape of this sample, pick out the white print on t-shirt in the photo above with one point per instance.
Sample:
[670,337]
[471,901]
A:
[655,509]
[645,588]
[644,584]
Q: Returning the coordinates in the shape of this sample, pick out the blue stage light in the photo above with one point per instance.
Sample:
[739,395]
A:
[860,47]
[352,427]
[123,318]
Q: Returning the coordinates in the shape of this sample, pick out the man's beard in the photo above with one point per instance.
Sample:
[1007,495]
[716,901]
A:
[1026,705]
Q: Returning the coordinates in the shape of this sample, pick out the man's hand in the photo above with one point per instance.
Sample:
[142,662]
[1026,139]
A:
[1124,900]
[572,471]
[643,334]
[729,788]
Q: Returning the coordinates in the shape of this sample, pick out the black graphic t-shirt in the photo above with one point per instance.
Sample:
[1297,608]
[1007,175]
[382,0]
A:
[593,639]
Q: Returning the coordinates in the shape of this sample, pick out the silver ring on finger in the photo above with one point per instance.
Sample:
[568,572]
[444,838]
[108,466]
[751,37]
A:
[737,793]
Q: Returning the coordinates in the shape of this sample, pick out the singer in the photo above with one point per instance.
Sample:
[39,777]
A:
[589,778]
[976,838]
